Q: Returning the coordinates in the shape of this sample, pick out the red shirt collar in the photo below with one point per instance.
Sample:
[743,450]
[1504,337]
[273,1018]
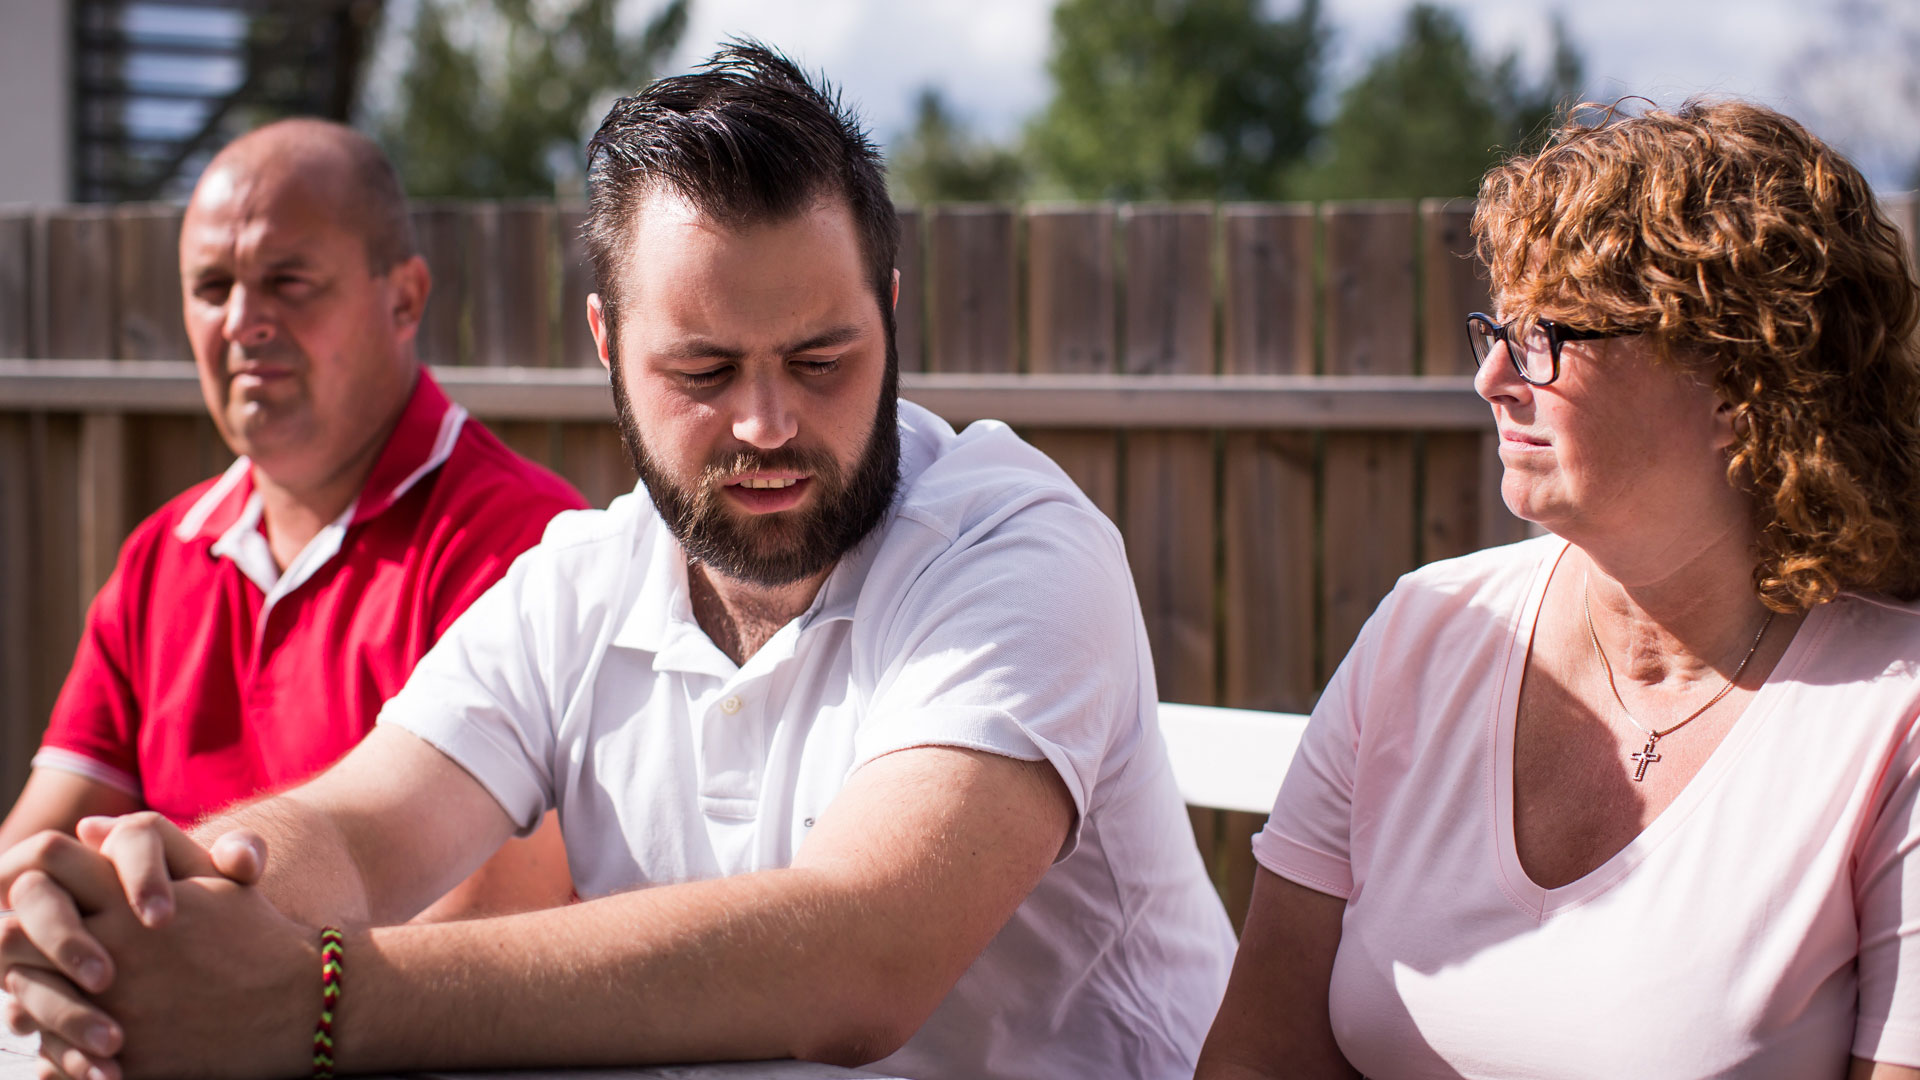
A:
[421,442]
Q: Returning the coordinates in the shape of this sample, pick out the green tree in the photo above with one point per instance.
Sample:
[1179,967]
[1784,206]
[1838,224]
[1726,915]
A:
[940,161]
[1177,98]
[499,96]
[1429,117]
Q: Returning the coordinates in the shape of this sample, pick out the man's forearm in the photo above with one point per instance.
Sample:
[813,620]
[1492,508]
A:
[311,875]
[840,958]
[786,963]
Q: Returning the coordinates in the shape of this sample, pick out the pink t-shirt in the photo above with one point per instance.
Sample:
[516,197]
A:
[1767,924]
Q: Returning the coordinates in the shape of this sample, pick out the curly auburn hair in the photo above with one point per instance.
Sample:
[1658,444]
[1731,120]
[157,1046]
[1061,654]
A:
[1754,255]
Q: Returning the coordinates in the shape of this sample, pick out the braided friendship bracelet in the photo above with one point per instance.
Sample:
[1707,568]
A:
[333,954]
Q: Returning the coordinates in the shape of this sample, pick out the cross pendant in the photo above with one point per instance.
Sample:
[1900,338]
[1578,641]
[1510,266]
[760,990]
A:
[1645,757]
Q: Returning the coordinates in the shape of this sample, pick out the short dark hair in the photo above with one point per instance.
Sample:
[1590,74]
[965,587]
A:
[746,138]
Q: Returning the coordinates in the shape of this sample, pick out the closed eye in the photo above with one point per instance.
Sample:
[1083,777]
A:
[701,380]
[213,290]
[815,367]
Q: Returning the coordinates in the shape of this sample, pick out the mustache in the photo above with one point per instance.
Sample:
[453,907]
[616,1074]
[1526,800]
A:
[276,353]
[809,460]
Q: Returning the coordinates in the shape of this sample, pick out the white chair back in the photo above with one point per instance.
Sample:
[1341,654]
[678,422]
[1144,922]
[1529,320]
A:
[1229,759]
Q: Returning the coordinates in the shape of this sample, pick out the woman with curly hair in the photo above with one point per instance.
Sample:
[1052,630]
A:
[1640,798]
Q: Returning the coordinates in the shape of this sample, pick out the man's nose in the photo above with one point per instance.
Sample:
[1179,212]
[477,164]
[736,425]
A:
[764,416]
[249,322]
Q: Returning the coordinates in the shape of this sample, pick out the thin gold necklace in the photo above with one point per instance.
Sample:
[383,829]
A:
[1647,755]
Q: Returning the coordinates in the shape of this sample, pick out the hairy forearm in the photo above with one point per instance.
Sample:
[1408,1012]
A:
[311,874]
[786,963]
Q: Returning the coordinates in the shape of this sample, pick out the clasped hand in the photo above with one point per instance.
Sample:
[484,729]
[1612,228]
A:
[131,948]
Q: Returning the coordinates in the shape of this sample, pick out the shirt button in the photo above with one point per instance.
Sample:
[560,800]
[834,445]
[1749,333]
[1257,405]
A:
[731,705]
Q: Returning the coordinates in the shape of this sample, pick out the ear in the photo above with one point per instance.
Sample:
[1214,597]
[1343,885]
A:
[408,284]
[1729,424]
[896,289]
[597,322]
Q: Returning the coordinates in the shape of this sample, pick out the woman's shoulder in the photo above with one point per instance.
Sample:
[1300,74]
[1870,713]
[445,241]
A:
[1870,635]
[1497,578]
[1468,602]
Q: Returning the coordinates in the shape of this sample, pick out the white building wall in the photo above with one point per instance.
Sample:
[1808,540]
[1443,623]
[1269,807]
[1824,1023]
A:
[36,85]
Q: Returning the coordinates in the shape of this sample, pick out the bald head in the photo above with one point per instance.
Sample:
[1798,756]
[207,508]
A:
[330,163]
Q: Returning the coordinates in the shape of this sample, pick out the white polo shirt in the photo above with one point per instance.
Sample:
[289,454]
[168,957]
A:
[991,609]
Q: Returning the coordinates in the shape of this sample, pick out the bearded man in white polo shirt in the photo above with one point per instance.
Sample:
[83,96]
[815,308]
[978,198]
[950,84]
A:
[848,718]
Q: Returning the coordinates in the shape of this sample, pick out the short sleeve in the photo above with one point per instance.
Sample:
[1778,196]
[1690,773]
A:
[95,727]
[1887,897]
[1308,836]
[481,695]
[1023,639]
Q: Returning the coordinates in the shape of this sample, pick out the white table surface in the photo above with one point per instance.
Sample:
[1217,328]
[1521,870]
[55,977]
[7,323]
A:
[18,1054]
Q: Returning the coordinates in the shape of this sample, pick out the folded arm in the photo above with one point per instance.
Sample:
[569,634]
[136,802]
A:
[905,879]
[57,800]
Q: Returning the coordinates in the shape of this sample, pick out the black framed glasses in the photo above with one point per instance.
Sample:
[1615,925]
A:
[1536,353]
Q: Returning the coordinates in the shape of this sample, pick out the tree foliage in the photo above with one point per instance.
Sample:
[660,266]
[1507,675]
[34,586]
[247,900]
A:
[1429,117]
[499,96]
[940,161]
[1177,98]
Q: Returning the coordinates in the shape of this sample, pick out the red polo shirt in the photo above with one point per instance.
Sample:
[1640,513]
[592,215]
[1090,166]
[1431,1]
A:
[207,675]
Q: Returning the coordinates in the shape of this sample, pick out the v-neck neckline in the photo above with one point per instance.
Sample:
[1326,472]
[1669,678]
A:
[1543,902]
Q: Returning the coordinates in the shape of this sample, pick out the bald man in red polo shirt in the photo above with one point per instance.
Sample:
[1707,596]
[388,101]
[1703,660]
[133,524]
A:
[254,625]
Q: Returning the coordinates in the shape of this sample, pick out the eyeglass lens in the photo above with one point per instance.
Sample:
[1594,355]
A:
[1533,354]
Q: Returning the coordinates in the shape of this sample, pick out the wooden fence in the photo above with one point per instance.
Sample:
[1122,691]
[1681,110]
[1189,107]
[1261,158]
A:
[1272,401]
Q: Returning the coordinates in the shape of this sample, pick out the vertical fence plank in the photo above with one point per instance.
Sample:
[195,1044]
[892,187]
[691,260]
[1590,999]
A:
[1071,330]
[440,231]
[147,267]
[167,455]
[909,312]
[1267,509]
[510,250]
[593,461]
[534,440]
[1452,475]
[1370,525]
[16,286]
[1169,289]
[1268,490]
[80,304]
[20,723]
[970,278]
[102,498]
[576,282]
[1168,508]
[54,454]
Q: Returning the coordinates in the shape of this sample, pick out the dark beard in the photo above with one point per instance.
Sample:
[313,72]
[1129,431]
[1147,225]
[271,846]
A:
[781,548]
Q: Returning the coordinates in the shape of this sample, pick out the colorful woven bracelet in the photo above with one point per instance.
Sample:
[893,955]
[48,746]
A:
[333,955]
